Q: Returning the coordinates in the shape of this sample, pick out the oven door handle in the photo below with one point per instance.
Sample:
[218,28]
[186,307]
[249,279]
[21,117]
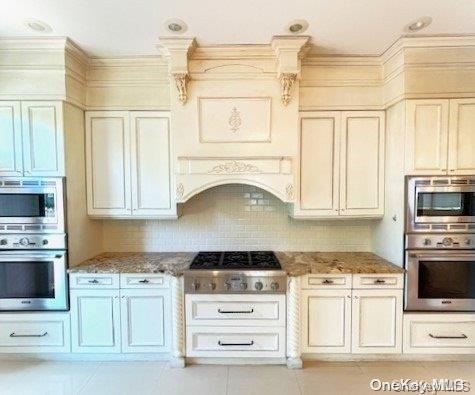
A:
[462,336]
[442,255]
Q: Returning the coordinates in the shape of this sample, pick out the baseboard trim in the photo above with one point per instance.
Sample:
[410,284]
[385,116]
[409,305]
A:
[387,357]
[80,357]
[235,361]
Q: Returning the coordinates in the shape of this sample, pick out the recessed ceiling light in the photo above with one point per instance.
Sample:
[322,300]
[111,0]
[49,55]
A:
[37,25]
[297,26]
[420,24]
[176,26]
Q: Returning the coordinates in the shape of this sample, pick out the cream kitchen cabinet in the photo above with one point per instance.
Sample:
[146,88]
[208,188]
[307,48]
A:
[34,138]
[128,164]
[341,165]
[326,321]
[359,315]
[440,137]
[126,313]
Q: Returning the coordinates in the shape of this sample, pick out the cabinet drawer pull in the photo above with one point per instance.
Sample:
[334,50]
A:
[462,336]
[93,281]
[327,281]
[14,335]
[220,343]
[235,311]
[379,281]
[144,281]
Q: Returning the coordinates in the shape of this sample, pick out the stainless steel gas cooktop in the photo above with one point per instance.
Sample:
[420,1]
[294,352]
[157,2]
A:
[235,272]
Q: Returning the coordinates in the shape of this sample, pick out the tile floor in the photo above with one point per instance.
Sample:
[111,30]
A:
[144,378]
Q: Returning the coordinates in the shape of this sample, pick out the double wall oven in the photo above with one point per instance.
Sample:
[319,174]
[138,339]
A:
[440,244]
[33,253]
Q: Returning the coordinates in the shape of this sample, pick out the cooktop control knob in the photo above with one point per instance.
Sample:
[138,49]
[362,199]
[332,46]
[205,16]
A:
[45,242]
[258,285]
[195,284]
[274,286]
[447,241]
[24,241]
[227,285]
[3,242]
[212,285]
[426,242]
[243,286]
[468,242]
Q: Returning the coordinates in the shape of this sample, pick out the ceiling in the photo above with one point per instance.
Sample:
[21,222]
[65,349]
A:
[132,27]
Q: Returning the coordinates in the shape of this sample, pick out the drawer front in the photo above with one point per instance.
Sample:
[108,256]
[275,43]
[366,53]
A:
[326,281]
[248,310]
[42,332]
[440,335]
[144,280]
[378,281]
[93,281]
[235,342]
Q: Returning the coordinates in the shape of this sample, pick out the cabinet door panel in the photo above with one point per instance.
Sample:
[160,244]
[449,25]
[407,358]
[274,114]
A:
[145,320]
[150,147]
[43,146]
[108,163]
[319,166]
[377,321]
[362,164]
[462,136]
[11,162]
[426,137]
[326,321]
[95,321]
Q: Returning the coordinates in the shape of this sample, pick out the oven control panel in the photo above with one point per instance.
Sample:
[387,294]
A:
[463,241]
[32,241]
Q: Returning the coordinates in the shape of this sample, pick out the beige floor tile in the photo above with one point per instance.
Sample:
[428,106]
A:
[261,380]
[334,384]
[394,370]
[193,380]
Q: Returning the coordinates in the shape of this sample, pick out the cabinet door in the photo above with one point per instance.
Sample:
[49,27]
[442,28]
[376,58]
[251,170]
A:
[362,164]
[11,162]
[150,160]
[145,320]
[326,321]
[377,321]
[426,137]
[108,163]
[462,136]
[95,321]
[43,138]
[319,164]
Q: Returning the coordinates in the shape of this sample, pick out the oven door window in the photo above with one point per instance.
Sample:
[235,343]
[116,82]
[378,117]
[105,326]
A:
[27,279]
[445,204]
[27,205]
[447,279]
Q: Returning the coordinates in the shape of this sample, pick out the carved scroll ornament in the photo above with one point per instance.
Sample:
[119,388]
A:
[286,81]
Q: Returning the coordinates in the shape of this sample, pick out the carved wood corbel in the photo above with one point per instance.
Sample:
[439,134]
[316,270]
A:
[181,81]
[286,81]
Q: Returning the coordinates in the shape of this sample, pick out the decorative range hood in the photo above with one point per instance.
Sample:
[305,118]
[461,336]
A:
[234,117]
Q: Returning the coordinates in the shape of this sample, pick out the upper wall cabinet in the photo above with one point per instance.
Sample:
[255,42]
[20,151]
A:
[341,165]
[440,137]
[128,164]
[461,157]
[11,162]
[33,136]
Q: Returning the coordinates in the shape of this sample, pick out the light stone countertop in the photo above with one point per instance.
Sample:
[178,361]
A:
[294,263]
[301,263]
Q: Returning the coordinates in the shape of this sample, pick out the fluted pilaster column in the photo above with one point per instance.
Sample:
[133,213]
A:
[178,336]
[294,360]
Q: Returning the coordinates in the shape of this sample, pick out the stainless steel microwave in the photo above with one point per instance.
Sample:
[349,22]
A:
[440,204]
[32,205]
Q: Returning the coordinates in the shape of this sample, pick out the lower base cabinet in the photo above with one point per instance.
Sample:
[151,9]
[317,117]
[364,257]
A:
[338,319]
[121,320]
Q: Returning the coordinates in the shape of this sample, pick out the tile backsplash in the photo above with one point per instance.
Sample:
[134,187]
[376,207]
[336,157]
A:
[239,217]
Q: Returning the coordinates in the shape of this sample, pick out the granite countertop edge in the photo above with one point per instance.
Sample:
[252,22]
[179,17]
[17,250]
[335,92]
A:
[294,263]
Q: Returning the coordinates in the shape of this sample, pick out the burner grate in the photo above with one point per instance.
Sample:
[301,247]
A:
[250,260]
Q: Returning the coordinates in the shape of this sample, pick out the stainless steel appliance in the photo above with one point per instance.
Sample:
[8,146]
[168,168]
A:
[440,272]
[440,204]
[235,272]
[31,205]
[33,272]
